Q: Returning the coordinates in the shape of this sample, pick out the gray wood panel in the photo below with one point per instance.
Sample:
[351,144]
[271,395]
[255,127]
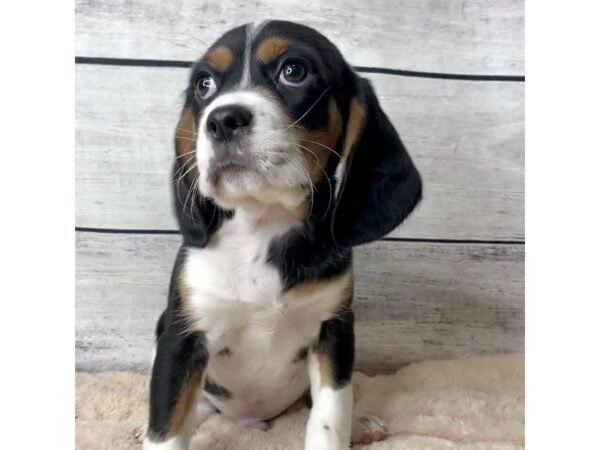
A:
[413,300]
[466,36]
[467,139]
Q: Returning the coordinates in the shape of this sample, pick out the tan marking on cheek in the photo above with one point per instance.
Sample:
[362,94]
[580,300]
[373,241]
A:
[320,143]
[220,58]
[271,49]
[185,402]
[186,137]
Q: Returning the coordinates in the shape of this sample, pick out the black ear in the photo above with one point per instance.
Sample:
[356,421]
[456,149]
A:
[197,216]
[379,184]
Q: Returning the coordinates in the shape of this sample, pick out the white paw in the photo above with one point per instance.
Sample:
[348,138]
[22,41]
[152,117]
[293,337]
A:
[367,428]
[322,436]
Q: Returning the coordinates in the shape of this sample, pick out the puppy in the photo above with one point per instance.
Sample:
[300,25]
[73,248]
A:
[284,162]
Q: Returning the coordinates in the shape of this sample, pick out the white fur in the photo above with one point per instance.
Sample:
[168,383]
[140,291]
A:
[252,30]
[179,442]
[237,301]
[280,172]
[330,421]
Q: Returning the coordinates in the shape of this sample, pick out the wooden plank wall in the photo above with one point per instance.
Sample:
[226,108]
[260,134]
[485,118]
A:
[447,283]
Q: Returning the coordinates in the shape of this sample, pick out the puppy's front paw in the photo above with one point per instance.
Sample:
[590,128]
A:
[367,428]
[323,436]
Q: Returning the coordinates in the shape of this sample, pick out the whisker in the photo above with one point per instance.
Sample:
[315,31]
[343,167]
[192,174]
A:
[180,169]
[303,172]
[183,33]
[195,165]
[184,130]
[193,190]
[311,107]
[213,214]
[324,173]
[179,44]
[190,190]
[185,154]
[187,139]
[322,145]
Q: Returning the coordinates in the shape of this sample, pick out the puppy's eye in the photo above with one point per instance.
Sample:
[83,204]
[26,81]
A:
[293,74]
[205,86]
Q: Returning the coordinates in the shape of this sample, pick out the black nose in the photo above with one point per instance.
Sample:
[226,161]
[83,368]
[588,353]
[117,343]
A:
[225,122]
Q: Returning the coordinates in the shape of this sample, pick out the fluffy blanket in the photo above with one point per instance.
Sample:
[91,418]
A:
[461,404]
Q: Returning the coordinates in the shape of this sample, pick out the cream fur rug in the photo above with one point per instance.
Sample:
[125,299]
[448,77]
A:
[468,404]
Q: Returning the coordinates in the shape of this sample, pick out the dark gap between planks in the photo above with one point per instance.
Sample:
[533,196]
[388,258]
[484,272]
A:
[388,239]
[363,69]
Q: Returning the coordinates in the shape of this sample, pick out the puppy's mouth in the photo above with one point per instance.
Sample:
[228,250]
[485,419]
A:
[229,162]
[226,171]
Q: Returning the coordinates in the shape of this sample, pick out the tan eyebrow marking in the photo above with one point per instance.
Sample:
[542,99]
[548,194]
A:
[271,49]
[220,58]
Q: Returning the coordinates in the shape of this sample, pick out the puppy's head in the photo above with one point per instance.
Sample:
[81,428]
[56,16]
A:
[274,115]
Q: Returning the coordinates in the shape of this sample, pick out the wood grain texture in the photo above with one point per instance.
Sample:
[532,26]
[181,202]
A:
[413,300]
[456,36]
[467,139]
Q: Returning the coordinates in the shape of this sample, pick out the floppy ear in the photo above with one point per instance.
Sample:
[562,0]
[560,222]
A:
[197,216]
[378,184]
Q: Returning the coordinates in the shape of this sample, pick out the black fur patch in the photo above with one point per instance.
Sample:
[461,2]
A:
[310,253]
[177,356]
[382,186]
[161,324]
[301,256]
[336,342]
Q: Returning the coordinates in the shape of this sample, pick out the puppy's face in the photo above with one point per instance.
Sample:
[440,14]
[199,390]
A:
[274,114]
[262,100]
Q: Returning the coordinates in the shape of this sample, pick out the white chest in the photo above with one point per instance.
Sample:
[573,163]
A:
[229,281]
[236,299]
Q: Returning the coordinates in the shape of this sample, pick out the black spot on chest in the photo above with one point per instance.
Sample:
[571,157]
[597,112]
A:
[301,355]
[215,389]
[225,351]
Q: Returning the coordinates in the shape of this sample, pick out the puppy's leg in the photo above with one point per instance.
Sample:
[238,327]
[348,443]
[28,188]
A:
[204,409]
[330,371]
[181,358]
